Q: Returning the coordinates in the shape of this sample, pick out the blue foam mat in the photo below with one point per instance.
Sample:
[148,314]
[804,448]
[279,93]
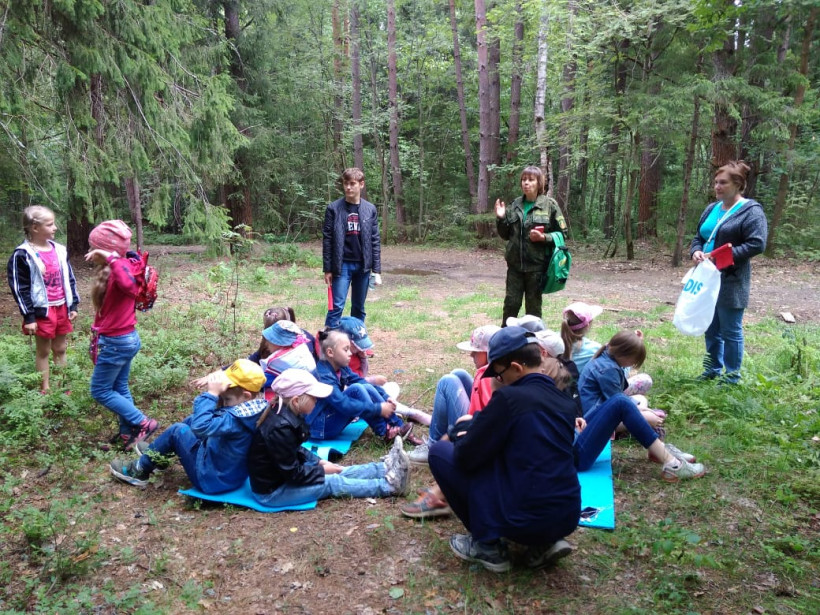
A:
[340,443]
[597,493]
[243,497]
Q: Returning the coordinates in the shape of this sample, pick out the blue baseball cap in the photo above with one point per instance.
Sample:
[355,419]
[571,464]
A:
[507,341]
[356,331]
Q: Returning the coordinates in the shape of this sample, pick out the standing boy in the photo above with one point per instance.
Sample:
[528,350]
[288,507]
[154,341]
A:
[351,248]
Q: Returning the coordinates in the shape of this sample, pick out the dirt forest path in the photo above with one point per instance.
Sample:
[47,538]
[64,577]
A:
[777,285]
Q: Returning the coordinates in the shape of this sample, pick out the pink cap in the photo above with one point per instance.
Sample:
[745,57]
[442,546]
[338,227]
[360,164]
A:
[111,236]
[295,382]
[584,312]
[480,339]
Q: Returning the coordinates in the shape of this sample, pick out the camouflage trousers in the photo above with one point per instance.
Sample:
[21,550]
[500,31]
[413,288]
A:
[526,286]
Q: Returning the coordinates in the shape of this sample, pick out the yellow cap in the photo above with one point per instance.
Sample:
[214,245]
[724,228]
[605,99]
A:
[245,374]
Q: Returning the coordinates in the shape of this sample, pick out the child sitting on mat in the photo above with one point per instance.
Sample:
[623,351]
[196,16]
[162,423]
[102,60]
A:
[273,315]
[360,346]
[601,387]
[509,473]
[284,473]
[212,444]
[579,349]
[352,397]
[288,348]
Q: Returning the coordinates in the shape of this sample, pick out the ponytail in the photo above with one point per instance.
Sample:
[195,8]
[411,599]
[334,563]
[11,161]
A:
[99,286]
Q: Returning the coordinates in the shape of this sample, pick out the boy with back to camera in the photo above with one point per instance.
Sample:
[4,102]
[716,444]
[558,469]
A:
[212,444]
[351,248]
[509,473]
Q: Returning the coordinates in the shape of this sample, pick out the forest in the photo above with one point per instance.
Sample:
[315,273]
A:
[194,117]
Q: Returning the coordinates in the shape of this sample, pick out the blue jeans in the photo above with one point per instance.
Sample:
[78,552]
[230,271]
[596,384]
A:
[362,481]
[353,274]
[179,440]
[601,423]
[335,422]
[109,382]
[724,344]
[452,401]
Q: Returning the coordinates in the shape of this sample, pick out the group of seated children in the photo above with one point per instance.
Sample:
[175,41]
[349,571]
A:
[504,446]
[231,434]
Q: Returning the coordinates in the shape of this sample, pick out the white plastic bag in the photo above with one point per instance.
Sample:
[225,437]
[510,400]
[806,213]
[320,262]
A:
[696,305]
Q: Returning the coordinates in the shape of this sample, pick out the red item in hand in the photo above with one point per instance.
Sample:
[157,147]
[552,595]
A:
[539,228]
[329,297]
[723,256]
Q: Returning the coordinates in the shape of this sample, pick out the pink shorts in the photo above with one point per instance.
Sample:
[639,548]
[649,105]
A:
[55,323]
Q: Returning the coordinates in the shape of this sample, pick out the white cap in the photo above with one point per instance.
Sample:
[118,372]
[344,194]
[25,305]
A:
[551,342]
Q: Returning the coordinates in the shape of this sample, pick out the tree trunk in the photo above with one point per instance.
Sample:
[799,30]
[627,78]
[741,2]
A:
[484,123]
[79,226]
[649,188]
[724,126]
[356,83]
[379,148]
[515,84]
[132,194]
[562,196]
[541,95]
[237,195]
[392,88]
[688,164]
[493,62]
[338,80]
[634,171]
[614,143]
[462,109]
[583,171]
[799,95]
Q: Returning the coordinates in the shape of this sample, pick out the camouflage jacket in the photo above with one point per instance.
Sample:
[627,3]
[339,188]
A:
[521,253]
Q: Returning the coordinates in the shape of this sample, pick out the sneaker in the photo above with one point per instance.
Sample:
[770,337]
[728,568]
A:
[129,472]
[546,555]
[141,447]
[412,414]
[706,376]
[418,456]
[676,453]
[394,431]
[677,469]
[491,555]
[397,468]
[425,507]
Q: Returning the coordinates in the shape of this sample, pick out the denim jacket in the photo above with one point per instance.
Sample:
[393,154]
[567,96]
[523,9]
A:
[338,402]
[601,379]
[225,434]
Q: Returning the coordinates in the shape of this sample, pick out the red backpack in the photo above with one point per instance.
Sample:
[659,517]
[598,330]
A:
[148,287]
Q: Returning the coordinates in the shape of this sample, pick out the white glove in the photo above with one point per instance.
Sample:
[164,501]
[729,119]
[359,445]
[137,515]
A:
[377,279]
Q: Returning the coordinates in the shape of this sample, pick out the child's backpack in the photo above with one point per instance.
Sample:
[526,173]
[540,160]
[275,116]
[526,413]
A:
[557,270]
[148,289]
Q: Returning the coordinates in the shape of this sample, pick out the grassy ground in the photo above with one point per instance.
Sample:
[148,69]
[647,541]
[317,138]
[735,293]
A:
[742,539]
